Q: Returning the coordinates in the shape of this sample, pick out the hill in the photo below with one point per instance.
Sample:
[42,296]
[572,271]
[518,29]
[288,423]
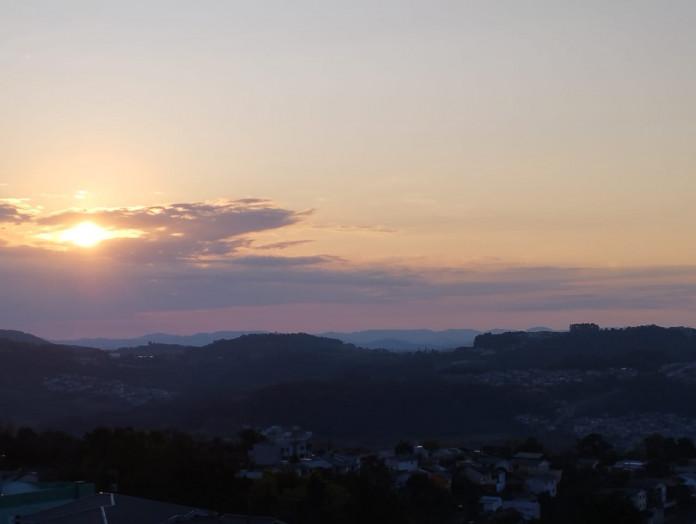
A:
[547,383]
[20,336]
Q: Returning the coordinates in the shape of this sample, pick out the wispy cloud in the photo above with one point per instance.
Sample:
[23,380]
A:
[282,245]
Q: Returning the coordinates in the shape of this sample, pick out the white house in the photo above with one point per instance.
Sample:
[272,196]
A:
[493,478]
[529,509]
[293,442]
[543,483]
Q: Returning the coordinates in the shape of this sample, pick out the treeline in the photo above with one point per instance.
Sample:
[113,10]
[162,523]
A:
[170,465]
[641,347]
[181,468]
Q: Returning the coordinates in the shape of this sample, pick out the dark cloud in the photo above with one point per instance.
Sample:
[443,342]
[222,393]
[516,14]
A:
[267,261]
[94,285]
[182,231]
[282,245]
[208,221]
[14,212]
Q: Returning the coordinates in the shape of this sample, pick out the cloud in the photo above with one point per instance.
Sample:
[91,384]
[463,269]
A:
[202,256]
[345,228]
[15,211]
[267,261]
[182,231]
[283,245]
[67,285]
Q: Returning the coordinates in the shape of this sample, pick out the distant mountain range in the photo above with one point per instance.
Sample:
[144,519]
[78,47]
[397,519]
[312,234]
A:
[391,339]
[514,383]
[195,340]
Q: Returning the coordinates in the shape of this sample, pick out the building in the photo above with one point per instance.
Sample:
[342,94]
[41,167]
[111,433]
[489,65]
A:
[293,442]
[529,509]
[490,504]
[655,489]
[630,465]
[491,478]
[19,497]
[112,508]
[530,462]
[281,444]
[543,483]
[638,497]
[266,454]
[402,463]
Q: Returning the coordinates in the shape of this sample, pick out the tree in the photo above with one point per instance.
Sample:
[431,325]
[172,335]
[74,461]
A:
[403,448]
[249,437]
[595,446]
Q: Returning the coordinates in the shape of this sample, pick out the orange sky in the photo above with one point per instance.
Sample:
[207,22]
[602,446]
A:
[421,164]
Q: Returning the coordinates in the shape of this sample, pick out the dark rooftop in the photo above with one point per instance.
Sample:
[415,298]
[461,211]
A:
[111,508]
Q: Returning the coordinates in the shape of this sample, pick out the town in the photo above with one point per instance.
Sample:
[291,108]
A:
[288,475]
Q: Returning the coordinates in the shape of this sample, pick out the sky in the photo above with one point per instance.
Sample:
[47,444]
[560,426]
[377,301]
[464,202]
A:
[307,166]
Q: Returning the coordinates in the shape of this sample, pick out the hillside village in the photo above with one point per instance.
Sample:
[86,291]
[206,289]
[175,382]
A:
[512,486]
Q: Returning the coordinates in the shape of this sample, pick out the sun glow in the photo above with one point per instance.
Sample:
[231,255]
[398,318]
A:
[85,234]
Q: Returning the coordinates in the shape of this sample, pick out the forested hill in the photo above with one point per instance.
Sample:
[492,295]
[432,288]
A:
[508,383]
[588,346]
[20,336]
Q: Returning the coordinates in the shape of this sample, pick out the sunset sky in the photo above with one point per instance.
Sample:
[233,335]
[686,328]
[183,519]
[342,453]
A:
[189,166]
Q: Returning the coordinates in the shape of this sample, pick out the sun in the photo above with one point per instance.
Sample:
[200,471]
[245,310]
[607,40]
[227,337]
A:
[85,234]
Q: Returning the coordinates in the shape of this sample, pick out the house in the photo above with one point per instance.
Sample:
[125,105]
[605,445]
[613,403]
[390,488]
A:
[281,444]
[345,463]
[490,504]
[655,489]
[488,477]
[638,497]
[307,465]
[440,477]
[528,462]
[293,442]
[629,465]
[402,463]
[529,509]
[493,461]
[445,454]
[545,483]
[689,480]
[421,452]
[401,478]
[251,474]
[688,467]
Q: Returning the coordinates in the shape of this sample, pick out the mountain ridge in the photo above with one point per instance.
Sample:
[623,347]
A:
[390,339]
